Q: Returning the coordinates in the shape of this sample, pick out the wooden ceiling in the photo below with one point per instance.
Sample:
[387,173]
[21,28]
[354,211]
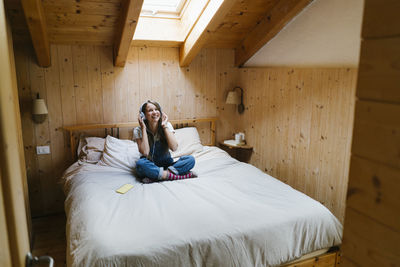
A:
[242,17]
[70,21]
[245,25]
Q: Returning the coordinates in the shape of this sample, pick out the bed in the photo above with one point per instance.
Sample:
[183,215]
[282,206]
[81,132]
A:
[233,214]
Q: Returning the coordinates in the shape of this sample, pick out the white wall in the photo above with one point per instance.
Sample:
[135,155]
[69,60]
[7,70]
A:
[326,34]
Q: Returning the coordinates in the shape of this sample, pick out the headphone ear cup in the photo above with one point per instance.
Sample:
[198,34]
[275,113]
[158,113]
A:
[142,115]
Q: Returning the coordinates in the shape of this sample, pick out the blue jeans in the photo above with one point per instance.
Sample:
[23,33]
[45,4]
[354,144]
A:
[147,168]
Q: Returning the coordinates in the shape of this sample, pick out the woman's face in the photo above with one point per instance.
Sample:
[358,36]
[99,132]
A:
[152,113]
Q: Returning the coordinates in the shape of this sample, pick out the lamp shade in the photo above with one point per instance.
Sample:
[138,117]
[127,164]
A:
[39,107]
[232,98]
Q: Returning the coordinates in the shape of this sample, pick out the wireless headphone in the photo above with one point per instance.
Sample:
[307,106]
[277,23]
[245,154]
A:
[142,115]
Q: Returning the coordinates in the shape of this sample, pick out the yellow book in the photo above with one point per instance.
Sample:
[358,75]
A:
[125,188]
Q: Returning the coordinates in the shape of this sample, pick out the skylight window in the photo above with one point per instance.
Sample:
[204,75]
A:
[163,8]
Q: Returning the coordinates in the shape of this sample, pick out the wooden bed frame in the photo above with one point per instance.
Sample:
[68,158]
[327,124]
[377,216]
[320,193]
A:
[328,259]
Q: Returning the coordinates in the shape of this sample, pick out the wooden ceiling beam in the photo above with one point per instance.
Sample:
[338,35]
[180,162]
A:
[209,21]
[273,22]
[36,21]
[126,28]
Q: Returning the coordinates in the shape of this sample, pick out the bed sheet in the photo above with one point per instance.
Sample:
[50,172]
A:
[233,214]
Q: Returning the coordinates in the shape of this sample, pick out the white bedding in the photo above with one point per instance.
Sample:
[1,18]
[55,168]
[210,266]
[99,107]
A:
[231,215]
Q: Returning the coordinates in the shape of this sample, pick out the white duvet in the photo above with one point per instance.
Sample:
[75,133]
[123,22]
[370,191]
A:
[231,215]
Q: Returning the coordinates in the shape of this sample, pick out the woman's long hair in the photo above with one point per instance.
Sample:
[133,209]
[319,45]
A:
[160,130]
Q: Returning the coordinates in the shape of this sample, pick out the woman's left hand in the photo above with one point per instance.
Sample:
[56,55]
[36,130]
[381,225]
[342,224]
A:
[171,140]
[164,120]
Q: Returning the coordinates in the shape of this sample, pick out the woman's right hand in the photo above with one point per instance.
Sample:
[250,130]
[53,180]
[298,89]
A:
[141,122]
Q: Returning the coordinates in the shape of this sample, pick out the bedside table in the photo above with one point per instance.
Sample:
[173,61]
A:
[241,153]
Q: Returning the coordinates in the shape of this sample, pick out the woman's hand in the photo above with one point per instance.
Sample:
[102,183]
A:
[171,139]
[164,120]
[141,122]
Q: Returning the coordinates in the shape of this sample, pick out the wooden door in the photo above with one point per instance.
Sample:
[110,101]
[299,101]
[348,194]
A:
[372,222]
[14,237]
[5,255]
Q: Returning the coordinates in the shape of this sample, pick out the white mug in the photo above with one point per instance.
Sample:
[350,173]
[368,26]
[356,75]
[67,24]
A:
[239,138]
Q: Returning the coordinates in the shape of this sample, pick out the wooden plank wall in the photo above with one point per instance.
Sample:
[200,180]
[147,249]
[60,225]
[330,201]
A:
[82,86]
[372,222]
[299,122]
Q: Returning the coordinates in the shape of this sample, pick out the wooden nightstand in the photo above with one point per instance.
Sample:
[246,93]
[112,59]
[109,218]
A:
[241,153]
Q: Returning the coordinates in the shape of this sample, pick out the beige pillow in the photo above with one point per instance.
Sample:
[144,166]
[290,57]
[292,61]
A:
[91,149]
[188,142]
[119,153]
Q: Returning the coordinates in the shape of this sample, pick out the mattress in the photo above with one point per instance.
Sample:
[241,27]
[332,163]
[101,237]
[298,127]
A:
[233,214]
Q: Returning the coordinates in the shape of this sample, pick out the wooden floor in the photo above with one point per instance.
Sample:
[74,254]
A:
[49,238]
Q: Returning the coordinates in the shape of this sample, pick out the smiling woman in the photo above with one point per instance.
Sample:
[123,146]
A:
[154,137]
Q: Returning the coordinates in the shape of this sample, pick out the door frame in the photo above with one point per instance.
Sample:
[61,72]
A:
[14,201]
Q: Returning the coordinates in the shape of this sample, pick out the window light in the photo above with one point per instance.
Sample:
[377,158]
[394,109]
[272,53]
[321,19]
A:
[159,7]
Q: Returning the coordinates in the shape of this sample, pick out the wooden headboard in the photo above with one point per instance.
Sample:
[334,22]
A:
[114,129]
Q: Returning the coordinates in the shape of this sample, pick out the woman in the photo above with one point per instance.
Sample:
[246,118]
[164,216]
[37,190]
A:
[155,136]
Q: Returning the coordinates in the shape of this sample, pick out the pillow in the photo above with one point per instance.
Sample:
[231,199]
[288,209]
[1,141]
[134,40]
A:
[119,153]
[90,149]
[188,142]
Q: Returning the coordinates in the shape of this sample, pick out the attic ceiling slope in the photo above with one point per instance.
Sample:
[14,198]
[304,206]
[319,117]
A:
[240,20]
[244,25]
[208,22]
[272,23]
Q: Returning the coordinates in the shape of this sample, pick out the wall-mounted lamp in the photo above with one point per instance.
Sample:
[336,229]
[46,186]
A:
[233,98]
[39,112]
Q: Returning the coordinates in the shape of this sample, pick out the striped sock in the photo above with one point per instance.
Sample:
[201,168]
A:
[172,176]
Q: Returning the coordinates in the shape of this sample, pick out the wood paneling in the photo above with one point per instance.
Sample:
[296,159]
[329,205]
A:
[83,86]
[226,80]
[372,225]
[299,122]
[377,25]
[368,242]
[373,190]
[379,74]
[240,20]
[57,146]
[378,132]
[71,22]
[74,19]
[5,252]
[83,7]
